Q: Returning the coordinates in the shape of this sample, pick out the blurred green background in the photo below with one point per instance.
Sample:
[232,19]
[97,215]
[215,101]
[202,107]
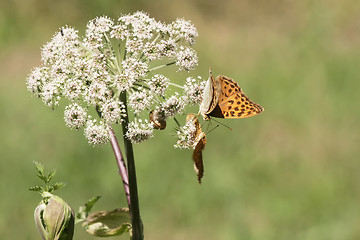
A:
[290,173]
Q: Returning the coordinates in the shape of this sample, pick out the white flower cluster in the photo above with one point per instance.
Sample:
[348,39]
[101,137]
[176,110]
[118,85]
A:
[193,89]
[139,131]
[186,135]
[113,57]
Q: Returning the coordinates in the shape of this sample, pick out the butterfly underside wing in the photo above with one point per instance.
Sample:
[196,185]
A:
[197,156]
[199,145]
[210,96]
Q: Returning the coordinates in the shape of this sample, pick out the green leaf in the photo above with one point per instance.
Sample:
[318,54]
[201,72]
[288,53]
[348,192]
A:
[40,168]
[108,223]
[83,212]
[89,205]
[39,189]
[50,176]
[57,186]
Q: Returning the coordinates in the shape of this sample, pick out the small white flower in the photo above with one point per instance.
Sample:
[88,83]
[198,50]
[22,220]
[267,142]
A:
[69,34]
[151,51]
[139,131]
[121,30]
[134,68]
[184,29]
[75,116]
[186,135]
[37,78]
[186,59]
[97,134]
[51,93]
[113,111]
[173,106]
[121,82]
[73,89]
[140,100]
[63,47]
[134,46]
[158,84]
[193,90]
[167,48]
[97,93]
[96,29]
[138,25]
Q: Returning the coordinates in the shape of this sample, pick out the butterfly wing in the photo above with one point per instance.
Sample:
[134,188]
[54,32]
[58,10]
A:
[210,96]
[233,103]
[198,145]
[197,157]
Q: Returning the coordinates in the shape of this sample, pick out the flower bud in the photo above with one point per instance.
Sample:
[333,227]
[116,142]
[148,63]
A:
[54,218]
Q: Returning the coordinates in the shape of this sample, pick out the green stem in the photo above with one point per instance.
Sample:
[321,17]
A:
[161,66]
[137,228]
[176,85]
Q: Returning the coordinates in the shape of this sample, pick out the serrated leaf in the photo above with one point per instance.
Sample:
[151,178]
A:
[42,177]
[89,205]
[58,185]
[40,168]
[53,188]
[84,210]
[37,189]
[50,176]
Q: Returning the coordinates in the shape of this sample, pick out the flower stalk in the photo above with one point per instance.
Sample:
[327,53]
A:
[121,164]
[115,67]
[137,229]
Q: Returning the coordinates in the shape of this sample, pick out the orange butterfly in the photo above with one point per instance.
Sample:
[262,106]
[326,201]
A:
[198,145]
[223,98]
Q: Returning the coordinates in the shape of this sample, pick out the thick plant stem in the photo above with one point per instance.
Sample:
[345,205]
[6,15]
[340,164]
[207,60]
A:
[121,164]
[137,228]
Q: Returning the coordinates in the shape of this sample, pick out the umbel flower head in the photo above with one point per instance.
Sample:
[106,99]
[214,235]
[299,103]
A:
[113,58]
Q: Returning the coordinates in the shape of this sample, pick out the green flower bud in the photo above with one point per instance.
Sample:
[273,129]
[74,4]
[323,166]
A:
[54,218]
[108,223]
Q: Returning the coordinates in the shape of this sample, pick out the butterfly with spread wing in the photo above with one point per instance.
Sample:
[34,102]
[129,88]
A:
[223,98]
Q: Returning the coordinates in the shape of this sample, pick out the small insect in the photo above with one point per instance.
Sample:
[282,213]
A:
[158,119]
[223,98]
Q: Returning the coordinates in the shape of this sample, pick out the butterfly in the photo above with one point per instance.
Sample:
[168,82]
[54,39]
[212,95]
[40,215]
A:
[223,98]
[199,142]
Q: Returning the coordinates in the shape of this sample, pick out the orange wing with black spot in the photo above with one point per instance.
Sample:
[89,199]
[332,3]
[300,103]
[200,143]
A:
[233,103]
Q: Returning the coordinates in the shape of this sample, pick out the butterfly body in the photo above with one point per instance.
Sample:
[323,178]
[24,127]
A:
[223,98]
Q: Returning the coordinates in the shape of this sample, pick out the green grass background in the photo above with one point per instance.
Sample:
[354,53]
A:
[290,173]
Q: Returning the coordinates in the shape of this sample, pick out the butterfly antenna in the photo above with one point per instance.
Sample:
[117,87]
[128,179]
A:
[221,124]
[213,129]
